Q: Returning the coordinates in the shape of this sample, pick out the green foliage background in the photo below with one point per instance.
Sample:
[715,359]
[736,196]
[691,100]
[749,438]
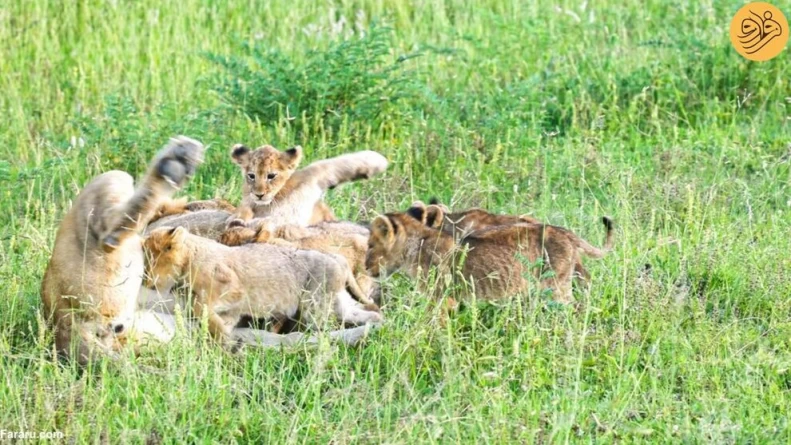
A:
[567,110]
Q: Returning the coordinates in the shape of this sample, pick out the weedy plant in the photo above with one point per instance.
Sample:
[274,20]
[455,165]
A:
[357,79]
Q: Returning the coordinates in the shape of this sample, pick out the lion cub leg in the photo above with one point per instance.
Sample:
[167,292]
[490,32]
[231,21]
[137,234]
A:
[180,206]
[170,207]
[219,327]
[560,283]
[331,296]
[350,313]
[321,212]
[581,274]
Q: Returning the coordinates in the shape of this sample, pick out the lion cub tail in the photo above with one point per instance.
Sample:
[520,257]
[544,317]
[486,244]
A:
[595,252]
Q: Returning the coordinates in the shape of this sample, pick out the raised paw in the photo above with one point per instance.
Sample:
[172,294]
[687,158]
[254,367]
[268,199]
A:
[179,159]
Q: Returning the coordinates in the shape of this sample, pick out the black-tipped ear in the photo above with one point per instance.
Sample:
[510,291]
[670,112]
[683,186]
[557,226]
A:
[434,216]
[240,154]
[417,212]
[177,234]
[293,156]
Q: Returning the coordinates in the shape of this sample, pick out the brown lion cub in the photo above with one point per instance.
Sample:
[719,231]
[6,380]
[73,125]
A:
[346,239]
[274,188]
[93,278]
[404,242]
[259,280]
[463,222]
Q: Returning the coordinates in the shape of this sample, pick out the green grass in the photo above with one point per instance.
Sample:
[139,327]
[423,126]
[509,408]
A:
[637,110]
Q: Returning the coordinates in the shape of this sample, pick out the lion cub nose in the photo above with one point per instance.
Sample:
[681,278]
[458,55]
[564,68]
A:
[261,196]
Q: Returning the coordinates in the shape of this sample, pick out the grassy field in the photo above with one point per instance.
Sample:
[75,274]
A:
[567,110]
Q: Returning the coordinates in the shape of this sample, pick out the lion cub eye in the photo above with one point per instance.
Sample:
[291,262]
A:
[271,176]
[251,176]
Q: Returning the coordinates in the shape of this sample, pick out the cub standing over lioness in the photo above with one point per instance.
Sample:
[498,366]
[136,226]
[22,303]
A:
[274,188]
[258,280]
[93,278]
[406,242]
[343,238]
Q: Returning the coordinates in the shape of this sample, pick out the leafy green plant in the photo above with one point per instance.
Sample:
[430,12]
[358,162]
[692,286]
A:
[354,79]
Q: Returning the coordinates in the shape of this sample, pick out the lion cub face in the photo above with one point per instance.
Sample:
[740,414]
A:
[390,243]
[266,170]
[166,256]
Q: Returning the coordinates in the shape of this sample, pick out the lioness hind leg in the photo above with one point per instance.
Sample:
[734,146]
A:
[174,164]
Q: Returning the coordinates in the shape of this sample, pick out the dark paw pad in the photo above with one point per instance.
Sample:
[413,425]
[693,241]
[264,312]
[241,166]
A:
[172,170]
[179,159]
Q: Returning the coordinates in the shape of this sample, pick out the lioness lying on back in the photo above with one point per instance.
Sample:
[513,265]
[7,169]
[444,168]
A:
[274,188]
[343,238]
[92,281]
[404,242]
[259,280]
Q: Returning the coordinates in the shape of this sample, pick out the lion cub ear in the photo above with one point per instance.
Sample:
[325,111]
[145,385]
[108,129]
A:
[292,157]
[418,211]
[177,235]
[382,229]
[434,216]
[240,154]
[435,201]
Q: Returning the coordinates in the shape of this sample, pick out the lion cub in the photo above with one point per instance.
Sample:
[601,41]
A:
[93,278]
[405,242]
[274,188]
[346,239]
[462,223]
[259,280]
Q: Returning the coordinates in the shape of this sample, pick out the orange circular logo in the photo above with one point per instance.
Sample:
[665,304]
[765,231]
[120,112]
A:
[759,31]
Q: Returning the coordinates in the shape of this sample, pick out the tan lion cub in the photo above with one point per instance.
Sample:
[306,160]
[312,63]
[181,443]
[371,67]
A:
[274,188]
[93,278]
[343,238]
[259,280]
[404,242]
